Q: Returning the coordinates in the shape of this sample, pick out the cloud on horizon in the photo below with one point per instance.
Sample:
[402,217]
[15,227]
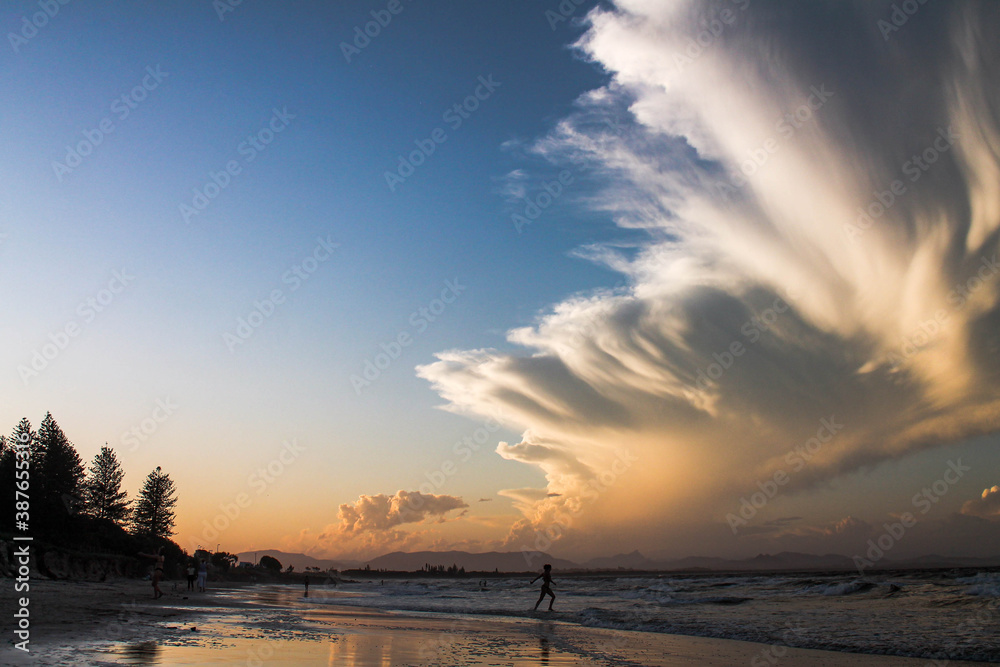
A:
[375,524]
[986,507]
[820,208]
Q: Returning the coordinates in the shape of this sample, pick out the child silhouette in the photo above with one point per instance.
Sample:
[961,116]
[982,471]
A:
[547,583]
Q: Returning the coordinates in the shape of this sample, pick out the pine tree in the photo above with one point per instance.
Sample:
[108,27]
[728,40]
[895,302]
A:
[154,508]
[103,495]
[22,433]
[60,473]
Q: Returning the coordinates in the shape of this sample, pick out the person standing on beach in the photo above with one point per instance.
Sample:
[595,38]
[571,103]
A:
[157,571]
[307,585]
[202,575]
[191,573]
[547,583]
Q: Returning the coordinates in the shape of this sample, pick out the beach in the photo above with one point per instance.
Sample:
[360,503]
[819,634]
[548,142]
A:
[118,623]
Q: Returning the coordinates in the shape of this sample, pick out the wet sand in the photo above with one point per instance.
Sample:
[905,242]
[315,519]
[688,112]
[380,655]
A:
[78,623]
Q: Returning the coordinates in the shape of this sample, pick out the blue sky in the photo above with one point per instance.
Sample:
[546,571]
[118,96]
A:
[322,177]
[199,86]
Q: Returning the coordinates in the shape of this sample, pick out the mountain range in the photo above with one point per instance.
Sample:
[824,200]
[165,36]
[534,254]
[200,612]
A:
[516,561]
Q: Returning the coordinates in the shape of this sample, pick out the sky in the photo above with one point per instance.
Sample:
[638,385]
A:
[693,278]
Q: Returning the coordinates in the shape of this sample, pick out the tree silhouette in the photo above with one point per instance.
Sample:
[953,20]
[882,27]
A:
[103,495]
[59,475]
[154,508]
[270,563]
[224,560]
[8,463]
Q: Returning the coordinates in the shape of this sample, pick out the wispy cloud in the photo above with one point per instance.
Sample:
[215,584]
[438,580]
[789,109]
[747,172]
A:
[746,162]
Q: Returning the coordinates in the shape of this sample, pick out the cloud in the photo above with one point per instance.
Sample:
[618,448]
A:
[820,212]
[987,507]
[380,523]
[382,512]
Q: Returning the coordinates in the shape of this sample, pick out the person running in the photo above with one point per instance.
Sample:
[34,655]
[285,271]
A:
[547,583]
[157,571]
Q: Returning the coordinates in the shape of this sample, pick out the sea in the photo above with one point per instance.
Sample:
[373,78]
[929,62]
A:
[937,615]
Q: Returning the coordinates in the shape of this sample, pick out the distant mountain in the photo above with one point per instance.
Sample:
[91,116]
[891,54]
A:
[300,561]
[504,561]
[632,561]
[515,561]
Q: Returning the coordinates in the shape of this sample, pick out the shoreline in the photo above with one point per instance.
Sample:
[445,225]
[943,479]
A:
[118,622]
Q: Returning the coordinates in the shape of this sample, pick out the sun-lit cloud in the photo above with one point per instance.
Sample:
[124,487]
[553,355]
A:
[374,524]
[821,219]
[382,512]
[987,506]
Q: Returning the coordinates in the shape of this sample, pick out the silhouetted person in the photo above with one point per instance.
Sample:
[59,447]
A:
[306,581]
[157,571]
[191,574]
[547,583]
[202,575]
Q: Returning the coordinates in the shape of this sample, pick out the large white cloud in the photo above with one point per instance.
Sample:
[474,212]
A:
[782,279]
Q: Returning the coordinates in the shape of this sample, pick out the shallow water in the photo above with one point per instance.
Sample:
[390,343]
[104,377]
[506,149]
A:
[925,614]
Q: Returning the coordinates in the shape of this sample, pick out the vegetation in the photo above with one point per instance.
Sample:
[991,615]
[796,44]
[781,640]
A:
[224,560]
[103,497]
[154,515]
[86,512]
[270,563]
[56,490]
[82,510]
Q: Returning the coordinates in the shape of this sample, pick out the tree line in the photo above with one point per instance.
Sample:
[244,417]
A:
[70,506]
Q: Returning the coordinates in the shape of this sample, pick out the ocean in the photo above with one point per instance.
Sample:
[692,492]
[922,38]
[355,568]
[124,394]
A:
[937,615]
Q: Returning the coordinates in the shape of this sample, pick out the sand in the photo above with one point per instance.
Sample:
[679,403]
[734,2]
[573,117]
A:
[79,623]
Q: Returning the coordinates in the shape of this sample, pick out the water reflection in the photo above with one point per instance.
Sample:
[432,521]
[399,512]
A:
[545,630]
[141,653]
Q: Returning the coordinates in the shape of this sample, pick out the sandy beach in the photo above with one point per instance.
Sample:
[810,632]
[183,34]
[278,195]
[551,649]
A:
[118,623]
